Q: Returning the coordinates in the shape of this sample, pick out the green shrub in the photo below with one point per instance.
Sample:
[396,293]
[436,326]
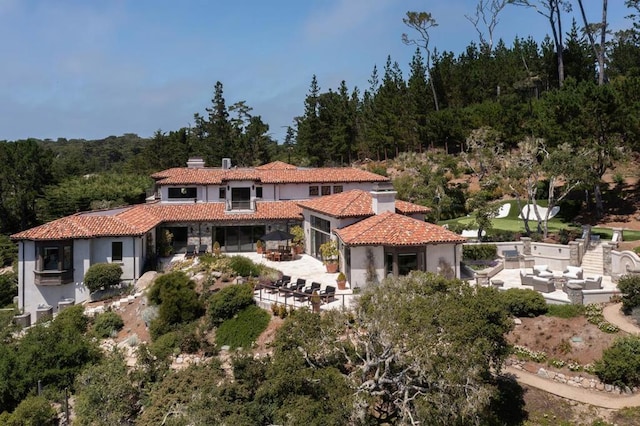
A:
[102,275]
[33,410]
[8,288]
[244,329]
[479,252]
[165,345]
[107,323]
[620,363]
[565,311]
[178,300]
[629,285]
[523,302]
[244,267]
[229,301]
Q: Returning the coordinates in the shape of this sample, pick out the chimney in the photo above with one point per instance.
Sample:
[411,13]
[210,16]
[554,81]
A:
[383,197]
[195,163]
[226,163]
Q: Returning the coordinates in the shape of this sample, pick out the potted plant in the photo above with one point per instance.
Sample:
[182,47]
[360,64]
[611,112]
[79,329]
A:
[216,249]
[329,252]
[298,238]
[341,281]
[259,246]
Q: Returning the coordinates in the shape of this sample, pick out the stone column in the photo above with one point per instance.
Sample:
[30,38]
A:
[606,259]
[581,249]
[574,291]
[482,279]
[574,253]
[526,245]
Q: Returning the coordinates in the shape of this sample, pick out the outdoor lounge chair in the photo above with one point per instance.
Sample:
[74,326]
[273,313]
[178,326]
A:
[526,278]
[202,249]
[593,283]
[573,273]
[291,289]
[305,293]
[329,293]
[285,280]
[543,284]
[191,250]
[542,271]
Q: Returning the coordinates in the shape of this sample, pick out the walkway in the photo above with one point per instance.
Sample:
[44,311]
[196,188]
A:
[612,314]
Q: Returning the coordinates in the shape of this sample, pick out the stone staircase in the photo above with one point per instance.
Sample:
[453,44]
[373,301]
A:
[592,263]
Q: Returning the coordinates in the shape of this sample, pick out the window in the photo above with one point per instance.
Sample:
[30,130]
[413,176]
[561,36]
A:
[116,251]
[258,192]
[51,257]
[54,264]
[321,224]
[241,198]
[337,189]
[222,193]
[313,190]
[184,192]
[326,190]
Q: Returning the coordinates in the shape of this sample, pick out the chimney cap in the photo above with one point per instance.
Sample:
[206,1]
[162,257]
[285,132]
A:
[383,187]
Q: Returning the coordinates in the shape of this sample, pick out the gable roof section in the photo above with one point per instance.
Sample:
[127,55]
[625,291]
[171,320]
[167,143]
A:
[138,220]
[355,203]
[392,229]
[272,173]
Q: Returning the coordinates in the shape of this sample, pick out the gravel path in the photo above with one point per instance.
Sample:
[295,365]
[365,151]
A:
[612,314]
[598,399]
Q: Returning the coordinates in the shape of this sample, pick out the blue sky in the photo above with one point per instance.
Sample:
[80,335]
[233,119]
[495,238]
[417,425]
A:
[90,69]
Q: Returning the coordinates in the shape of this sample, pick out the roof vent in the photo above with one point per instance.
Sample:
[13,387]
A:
[226,163]
[195,163]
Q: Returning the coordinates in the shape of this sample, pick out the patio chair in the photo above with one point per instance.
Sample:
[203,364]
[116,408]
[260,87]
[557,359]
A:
[292,288]
[329,293]
[305,293]
[542,271]
[202,249]
[544,284]
[191,250]
[526,278]
[285,280]
[593,283]
[573,273]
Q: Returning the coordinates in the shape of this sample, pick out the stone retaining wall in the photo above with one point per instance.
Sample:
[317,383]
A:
[575,379]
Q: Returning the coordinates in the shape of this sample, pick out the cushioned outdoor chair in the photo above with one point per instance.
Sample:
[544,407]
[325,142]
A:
[573,273]
[542,271]
[543,284]
[593,283]
[526,278]
[329,293]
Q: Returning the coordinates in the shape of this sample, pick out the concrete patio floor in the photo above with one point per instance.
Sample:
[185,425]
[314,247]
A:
[511,279]
[304,266]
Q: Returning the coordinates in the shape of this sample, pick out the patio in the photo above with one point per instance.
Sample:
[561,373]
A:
[304,266]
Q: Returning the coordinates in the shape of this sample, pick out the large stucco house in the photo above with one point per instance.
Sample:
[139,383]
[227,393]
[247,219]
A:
[200,205]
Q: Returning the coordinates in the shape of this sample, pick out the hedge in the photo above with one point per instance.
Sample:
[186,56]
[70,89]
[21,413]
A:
[479,252]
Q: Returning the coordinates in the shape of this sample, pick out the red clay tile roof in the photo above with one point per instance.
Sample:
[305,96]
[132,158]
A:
[392,229]
[277,165]
[140,219]
[354,203]
[273,173]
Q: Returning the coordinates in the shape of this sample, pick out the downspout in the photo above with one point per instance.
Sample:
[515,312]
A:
[23,272]
[135,270]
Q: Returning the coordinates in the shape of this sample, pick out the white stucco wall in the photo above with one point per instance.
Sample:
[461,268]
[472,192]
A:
[358,275]
[85,253]
[452,253]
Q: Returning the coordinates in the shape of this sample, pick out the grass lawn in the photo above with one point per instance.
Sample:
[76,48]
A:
[513,223]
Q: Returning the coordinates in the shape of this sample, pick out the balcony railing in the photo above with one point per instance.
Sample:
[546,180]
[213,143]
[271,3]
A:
[240,205]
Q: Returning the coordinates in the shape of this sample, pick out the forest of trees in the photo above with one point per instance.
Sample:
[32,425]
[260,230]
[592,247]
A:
[518,91]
